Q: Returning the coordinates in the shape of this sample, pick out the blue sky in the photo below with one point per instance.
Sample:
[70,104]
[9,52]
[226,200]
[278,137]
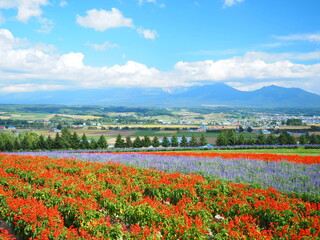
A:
[49,45]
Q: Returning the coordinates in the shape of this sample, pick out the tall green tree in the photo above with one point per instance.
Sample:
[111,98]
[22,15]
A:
[9,144]
[41,143]
[261,139]
[146,141]
[303,140]
[102,142]
[250,140]
[129,143]
[231,136]
[165,142]
[314,139]
[119,142]
[16,144]
[58,142]
[241,140]
[26,143]
[50,143]
[2,143]
[66,138]
[292,140]
[137,143]
[74,141]
[203,140]
[93,144]
[193,141]
[271,139]
[222,139]
[84,143]
[155,142]
[184,142]
[283,138]
[174,141]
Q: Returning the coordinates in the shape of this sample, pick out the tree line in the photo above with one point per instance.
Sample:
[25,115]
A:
[228,137]
[32,141]
[155,142]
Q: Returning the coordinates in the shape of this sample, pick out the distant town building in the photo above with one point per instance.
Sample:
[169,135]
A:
[45,121]
[56,130]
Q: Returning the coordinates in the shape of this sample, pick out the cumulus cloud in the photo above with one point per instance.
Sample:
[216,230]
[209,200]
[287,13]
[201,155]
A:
[6,39]
[229,3]
[243,68]
[101,20]
[25,67]
[312,37]
[72,60]
[102,47]
[146,33]
[26,8]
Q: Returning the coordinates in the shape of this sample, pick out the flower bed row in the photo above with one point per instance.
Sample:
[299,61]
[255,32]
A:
[302,180]
[254,156]
[47,198]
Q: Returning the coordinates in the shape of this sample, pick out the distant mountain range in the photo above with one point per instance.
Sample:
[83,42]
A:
[207,95]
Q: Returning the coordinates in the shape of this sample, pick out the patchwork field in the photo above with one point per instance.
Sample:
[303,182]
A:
[26,116]
[78,116]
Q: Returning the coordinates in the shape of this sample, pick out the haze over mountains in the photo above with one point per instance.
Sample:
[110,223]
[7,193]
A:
[207,95]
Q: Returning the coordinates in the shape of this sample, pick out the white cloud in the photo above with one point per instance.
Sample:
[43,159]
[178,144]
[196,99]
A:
[243,68]
[146,33]
[72,60]
[6,39]
[46,47]
[101,20]
[23,64]
[46,25]
[28,87]
[102,47]
[26,8]
[63,3]
[312,37]
[229,3]
[267,57]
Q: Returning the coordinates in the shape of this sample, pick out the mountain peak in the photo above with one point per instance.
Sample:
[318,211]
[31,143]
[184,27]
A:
[210,94]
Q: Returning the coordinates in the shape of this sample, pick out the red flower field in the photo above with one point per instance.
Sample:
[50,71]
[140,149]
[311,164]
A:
[46,198]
